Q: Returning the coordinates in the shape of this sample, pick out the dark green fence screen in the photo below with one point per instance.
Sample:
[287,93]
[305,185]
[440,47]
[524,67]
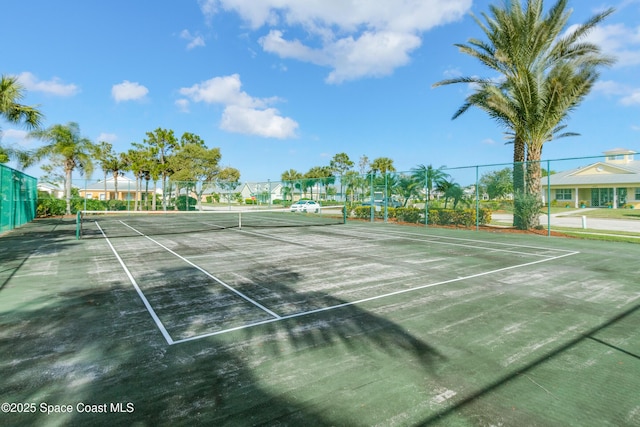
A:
[19,198]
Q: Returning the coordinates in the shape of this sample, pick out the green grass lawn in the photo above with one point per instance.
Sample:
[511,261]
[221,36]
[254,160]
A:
[632,214]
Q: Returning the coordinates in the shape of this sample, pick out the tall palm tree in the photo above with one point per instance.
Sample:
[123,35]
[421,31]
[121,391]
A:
[103,153]
[162,143]
[118,163]
[545,71]
[11,93]
[66,145]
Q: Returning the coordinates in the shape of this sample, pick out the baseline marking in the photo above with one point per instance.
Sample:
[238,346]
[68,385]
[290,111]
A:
[153,314]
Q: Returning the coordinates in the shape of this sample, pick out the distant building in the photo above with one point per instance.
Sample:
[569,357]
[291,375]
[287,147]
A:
[126,190]
[614,183]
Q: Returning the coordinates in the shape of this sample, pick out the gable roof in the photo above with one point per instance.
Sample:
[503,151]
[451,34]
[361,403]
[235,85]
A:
[599,173]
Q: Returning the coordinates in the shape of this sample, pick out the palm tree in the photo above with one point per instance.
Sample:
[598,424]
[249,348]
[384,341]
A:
[545,71]
[162,143]
[11,93]
[103,153]
[382,165]
[428,177]
[138,161]
[65,144]
[291,180]
[407,187]
[117,164]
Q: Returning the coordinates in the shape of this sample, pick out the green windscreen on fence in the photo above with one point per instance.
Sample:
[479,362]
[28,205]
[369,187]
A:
[19,198]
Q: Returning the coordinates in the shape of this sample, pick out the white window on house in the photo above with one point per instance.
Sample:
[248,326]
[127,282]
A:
[102,196]
[89,195]
[637,193]
[563,194]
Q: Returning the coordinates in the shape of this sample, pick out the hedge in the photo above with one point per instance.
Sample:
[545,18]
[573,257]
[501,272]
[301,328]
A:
[461,217]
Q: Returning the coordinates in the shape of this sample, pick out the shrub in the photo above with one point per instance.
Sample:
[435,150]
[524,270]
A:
[362,212]
[527,212]
[181,203]
[50,206]
[410,215]
[463,217]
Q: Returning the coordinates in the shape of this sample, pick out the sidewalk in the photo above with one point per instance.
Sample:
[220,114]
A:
[563,220]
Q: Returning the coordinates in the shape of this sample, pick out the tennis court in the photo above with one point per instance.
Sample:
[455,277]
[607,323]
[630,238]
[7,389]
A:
[301,320]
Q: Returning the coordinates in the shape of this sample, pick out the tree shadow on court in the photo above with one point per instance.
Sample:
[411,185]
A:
[343,323]
[97,346]
[41,237]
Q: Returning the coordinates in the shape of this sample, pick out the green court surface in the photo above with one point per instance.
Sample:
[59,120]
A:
[357,324]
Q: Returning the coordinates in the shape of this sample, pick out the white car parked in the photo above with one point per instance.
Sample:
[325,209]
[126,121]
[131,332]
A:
[306,206]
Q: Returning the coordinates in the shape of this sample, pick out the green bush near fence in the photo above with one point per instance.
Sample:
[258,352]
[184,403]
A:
[457,217]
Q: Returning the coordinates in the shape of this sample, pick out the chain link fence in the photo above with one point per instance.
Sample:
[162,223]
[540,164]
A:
[19,196]
[470,196]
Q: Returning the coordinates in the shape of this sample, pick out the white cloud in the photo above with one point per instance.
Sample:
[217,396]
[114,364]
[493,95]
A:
[222,90]
[632,99]
[354,38]
[266,123]
[619,41]
[194,40]
[107,137]
[629,96]
[128,91]
[51,87]
[372,54]
[13,136]
[183,105]
[243,113]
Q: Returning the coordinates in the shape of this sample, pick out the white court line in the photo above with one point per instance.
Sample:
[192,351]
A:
[430,239]
[138,290]
[438,240]
[360,301]
[197,267]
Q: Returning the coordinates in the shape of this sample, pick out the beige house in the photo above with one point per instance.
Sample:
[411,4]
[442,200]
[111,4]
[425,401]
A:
[126,190]
[614,182]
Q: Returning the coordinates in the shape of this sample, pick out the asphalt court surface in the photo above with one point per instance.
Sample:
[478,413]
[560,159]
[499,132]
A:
[200,284]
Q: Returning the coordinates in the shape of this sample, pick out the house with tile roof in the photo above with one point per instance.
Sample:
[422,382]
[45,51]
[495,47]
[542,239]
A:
[614,182]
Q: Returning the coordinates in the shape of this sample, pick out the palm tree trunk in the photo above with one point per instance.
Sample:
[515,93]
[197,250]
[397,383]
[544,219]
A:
[106,199]
[115,184]
[67,189]
[518,179]
[153,200]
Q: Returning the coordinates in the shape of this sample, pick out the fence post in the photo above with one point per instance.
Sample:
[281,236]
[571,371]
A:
[548,198]
[477,199]
[371,210]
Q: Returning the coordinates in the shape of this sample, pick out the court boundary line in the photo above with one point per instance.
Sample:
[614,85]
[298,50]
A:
[277,318]
[133,281]
[436,239]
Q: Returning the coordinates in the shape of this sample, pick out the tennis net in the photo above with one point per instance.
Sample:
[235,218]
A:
[140,223]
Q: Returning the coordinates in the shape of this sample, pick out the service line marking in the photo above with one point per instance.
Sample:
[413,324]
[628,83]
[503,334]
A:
[364,300]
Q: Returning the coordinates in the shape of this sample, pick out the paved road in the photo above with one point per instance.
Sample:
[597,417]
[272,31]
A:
[562,220]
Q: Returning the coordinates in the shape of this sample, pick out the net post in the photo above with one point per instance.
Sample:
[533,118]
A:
[78,224]
[239,219]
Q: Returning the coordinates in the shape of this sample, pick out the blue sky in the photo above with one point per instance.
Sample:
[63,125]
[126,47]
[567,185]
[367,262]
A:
[280,84]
